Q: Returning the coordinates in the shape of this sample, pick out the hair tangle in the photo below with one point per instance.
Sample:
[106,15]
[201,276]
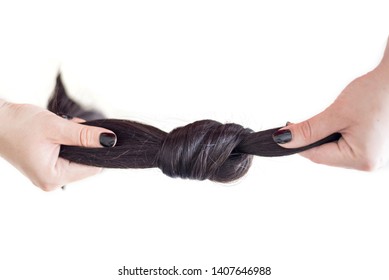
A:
[204,149]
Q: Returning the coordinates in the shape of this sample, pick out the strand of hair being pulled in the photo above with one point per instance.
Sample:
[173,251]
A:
[201,150]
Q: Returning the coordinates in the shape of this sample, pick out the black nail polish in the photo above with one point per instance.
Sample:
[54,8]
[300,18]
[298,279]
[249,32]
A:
[282,136]
[107,139]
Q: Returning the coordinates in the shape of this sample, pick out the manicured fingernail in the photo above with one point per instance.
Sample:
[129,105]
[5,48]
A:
[66,117]
[282,136]
[107,139]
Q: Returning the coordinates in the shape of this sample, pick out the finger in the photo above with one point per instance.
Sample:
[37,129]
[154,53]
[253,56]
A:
[74,134]
[309,131]
[68,172]
[337,154]
[63,173]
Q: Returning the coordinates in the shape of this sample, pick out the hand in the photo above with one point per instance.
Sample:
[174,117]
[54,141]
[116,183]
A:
[30,140]
[360,114]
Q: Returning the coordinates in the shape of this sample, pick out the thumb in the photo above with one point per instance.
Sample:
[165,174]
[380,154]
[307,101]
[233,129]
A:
[308,131]
[75,134]
[312,130]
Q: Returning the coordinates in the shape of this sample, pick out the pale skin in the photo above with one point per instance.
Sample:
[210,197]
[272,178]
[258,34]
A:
[31,138]
[361,115]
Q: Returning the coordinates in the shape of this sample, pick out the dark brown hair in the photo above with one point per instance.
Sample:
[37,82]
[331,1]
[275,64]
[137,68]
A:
[204,149]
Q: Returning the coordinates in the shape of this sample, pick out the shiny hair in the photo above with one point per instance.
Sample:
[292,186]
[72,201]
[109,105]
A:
[204,149]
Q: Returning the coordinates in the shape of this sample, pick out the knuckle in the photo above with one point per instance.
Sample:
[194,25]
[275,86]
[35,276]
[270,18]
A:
[85,137]
[369,158]
[369,164]
[44,185]
[47,181]
[305,130]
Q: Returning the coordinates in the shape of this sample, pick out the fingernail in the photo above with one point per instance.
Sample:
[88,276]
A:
[107,139]
[282,136]
[288,123]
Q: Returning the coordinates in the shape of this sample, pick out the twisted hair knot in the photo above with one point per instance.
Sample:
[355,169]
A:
[201,150]
[204,150]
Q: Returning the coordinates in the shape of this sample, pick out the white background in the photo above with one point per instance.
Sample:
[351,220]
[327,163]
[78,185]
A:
[168,63]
